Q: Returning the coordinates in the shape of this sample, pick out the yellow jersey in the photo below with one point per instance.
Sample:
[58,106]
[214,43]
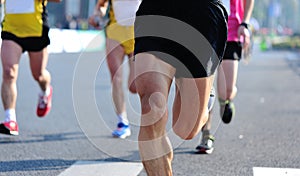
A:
[25,18]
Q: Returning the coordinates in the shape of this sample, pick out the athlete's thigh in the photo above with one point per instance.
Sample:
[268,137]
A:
[152,74]
[10,53]
[115,56]
[190,105]
[153,81]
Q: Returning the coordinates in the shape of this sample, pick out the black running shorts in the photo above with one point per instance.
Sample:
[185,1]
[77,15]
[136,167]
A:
[29,43]
[233,51]
[189,35]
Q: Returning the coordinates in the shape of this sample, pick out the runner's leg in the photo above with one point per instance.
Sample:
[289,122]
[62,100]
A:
[38,64]
[154,78]
[115,58]
[10,56]
[190,110]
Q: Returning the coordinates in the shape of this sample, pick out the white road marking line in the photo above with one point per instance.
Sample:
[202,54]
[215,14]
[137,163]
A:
[265,171]
[102,168]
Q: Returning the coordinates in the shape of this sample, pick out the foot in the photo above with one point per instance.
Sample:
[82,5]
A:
[44,104]
[206,146]
[227,111]
[122,131]
[10,128]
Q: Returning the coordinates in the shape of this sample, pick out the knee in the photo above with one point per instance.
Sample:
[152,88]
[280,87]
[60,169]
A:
[9,73]
[153,109]
[37,76]
[117,79]
[41,76]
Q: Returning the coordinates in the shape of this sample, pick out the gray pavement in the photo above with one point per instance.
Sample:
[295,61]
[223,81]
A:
[265,132]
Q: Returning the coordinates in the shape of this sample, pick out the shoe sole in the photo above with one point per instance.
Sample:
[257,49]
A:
[204,151]
[14,133]
[123,136]
[4,130]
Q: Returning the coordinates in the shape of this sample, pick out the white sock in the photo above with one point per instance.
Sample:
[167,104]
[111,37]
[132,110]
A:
[123,118]
[10,115]
[46,92]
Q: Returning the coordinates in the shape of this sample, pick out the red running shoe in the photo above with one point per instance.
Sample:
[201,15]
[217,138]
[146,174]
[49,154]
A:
[44,104]
[10,128]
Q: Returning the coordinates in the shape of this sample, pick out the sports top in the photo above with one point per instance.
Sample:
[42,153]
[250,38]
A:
[25,18]
[235,18]
[123,34]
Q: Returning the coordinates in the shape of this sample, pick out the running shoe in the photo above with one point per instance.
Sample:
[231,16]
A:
[211,100]
[206,146]
[122,131]
[227,111]
[10,128]
[44,104]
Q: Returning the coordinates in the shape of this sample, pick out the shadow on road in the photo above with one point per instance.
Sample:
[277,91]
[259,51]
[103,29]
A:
[42,138]
[34,165]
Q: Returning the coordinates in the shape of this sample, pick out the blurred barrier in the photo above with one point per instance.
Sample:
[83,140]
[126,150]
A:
[73,41]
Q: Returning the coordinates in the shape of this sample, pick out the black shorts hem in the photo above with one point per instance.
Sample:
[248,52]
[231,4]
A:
[233,51]
[33,44]
[195,37]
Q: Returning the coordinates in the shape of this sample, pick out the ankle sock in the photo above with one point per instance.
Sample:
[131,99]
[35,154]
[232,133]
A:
[46,92]
[123,118]
[10,115]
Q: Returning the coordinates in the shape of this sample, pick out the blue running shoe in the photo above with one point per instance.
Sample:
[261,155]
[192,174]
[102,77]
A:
[122,131]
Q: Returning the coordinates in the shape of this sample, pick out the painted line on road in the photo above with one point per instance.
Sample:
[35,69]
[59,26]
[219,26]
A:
[102,168]
[263,171]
